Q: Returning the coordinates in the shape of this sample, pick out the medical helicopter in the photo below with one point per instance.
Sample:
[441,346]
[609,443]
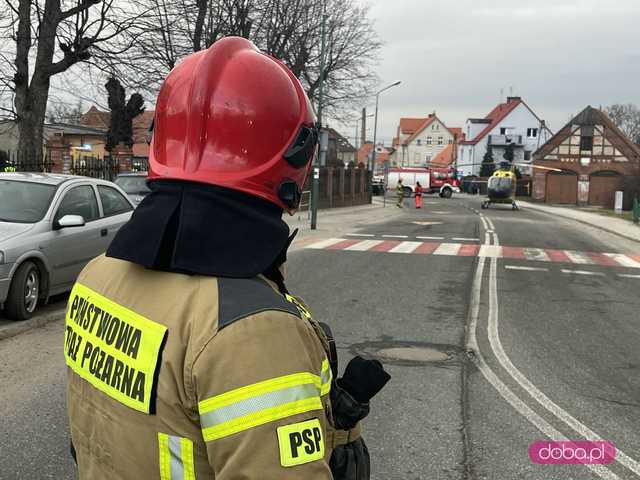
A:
[501,186]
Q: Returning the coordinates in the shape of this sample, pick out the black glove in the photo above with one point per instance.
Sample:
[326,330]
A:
[351,461]
[363,379]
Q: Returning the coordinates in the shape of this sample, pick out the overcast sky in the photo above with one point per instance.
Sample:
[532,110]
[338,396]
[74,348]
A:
[455,56]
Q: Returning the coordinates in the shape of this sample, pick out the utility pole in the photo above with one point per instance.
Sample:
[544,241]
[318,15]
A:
[315,185]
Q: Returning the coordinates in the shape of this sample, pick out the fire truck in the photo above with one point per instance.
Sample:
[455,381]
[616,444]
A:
[441,180]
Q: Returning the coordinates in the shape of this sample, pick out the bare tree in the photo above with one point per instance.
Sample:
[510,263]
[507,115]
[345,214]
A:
[48,37]
[627,118]
[61,112]
[287,29]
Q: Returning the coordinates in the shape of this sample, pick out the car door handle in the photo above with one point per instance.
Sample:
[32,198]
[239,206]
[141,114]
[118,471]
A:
[104,232]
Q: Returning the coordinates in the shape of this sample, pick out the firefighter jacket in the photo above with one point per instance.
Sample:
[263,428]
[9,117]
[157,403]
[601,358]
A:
[175,376]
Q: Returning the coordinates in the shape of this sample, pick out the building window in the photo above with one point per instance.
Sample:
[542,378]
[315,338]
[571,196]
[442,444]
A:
[429,140]
[450,141]
[527,155]
[586,143]
[428,158]
[418,142]
[532,133]
[503,130]
[440,140]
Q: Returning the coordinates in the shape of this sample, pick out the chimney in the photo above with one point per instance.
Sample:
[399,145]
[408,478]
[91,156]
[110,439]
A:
[513,99]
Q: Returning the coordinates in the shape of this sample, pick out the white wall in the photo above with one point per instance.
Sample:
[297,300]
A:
[518,121]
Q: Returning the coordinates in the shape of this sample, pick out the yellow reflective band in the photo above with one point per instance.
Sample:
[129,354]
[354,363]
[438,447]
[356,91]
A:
[113,348]
[300,443]
[260,403]
[302,308]
[175,458]
[325,378]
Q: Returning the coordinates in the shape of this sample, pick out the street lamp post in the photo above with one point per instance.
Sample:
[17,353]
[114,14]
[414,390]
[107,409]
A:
[375,131]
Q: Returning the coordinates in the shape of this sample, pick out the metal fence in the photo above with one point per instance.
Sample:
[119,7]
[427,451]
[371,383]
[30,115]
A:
[106,168]
[20,162]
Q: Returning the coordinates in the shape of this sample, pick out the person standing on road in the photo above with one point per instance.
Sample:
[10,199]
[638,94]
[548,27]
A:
[400,192]
[188,357]
[419,191]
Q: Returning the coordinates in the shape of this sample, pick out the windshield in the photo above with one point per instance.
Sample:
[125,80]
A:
[500,183]
[24,202]
[133,185]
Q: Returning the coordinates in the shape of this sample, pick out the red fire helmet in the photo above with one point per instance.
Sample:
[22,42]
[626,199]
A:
[235,117]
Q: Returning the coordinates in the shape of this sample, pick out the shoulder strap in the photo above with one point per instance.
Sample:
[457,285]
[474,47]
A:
[240,297]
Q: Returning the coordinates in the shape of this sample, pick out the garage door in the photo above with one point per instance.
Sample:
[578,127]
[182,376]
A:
[602,188]
[562,188]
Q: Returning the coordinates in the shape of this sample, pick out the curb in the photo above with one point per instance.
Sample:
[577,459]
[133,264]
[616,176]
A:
[594,225]
[18,328]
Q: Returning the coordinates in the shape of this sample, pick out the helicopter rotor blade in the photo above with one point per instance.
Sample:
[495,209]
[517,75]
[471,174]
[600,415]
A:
[538,166]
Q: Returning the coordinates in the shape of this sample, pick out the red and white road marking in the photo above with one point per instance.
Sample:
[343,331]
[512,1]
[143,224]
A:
[474,250]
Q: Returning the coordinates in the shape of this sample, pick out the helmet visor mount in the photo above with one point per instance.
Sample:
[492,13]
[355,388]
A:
[302,150]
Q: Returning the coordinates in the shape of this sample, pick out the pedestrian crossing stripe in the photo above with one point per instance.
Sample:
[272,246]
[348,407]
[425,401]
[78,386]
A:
[487,251]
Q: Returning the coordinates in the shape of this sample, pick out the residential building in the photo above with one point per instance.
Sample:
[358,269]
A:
[100,119]
[420,140]
[596,159]
[83,141]
[382,155]
[340,151]
[511,124]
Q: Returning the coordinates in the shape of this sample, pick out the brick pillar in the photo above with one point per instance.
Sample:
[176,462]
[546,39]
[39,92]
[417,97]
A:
[353,185]
[122,154]
[330,186]
[59,154]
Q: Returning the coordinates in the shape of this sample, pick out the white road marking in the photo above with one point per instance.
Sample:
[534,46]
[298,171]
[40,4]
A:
[536,254]
[578,257]
[527,269]
[583,272]
[492,251]
[447,249]
[364,245]
[506,393]
[626,275]
[430,238]
[325,243]
[360,235]
[427,223]
[505,362]
[490,222]
[405,247]
[623,260]
[395,236]
[462,239]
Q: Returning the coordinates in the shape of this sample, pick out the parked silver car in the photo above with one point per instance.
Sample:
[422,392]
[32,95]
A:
[50,227]
[134,184]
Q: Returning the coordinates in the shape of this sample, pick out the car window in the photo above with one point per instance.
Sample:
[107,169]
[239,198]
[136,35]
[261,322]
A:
[113,202]
[24,202]
[79,201]
[133,184]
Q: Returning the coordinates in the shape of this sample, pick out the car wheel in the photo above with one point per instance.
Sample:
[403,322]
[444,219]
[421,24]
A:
[407,192]
[447,193]
[24,292]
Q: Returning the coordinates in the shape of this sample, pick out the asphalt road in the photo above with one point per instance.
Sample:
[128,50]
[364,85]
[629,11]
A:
[485,357]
